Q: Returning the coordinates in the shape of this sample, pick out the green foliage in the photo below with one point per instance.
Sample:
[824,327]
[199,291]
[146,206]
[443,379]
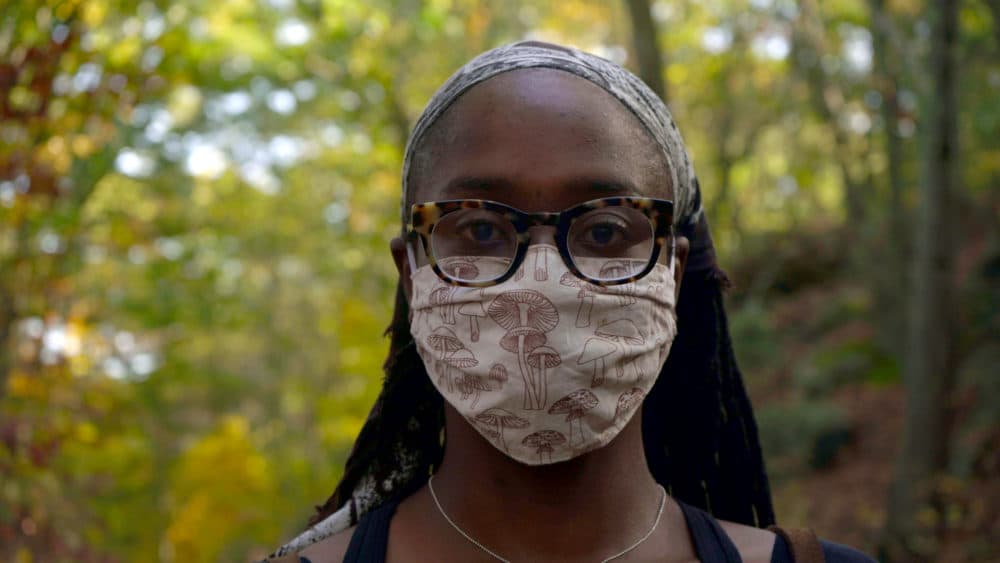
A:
[801,435]
[753,336]
[853,362]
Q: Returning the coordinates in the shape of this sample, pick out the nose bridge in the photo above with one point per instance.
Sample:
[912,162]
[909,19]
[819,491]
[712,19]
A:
[542,234]
[543,228]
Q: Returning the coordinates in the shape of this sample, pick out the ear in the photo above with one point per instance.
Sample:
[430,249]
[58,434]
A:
[683,246]
[397,246]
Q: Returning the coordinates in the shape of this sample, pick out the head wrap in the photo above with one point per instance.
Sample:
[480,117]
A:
[689,217]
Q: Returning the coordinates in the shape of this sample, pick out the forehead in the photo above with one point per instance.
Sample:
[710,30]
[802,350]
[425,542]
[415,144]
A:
[537,139]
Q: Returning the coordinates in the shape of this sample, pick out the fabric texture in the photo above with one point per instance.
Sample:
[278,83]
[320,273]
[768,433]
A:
[491,352]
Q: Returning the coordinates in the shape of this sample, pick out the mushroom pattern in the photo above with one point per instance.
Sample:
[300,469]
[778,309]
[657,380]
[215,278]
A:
[527,315]
[498,373]
[542,264]
[542,441]
[575,406]
[444,342]
[472,386]
[628,401]
[541,359]
[497,420]
[622,332]
[442,296]
[461,268]
[459,359]
[474,310]
[585,295]
[596,350]
[619,269]
[532,339]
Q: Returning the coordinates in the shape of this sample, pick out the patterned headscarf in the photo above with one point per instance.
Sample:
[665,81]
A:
[632,93]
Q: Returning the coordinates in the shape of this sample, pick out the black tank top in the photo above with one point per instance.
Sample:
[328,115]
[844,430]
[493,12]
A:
[711,544]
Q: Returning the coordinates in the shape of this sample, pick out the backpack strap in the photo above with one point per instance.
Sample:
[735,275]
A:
[802,542]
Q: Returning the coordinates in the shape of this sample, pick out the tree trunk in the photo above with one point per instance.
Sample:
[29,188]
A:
[929,363]
[885,77]
[646,46]
[726,161]
[994,6]
[9,313]
[7,317]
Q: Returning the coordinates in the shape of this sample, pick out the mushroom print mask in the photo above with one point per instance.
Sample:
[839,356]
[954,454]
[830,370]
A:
[525,371]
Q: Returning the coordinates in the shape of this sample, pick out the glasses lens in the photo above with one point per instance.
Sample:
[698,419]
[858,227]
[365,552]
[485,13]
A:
[474,244]
[611,243]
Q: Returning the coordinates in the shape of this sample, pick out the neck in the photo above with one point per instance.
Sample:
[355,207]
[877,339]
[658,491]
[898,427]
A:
[599,502]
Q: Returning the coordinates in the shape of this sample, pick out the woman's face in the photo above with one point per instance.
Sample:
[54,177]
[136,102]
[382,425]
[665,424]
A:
[537,140]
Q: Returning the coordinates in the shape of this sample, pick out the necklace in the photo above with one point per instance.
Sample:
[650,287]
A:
[656,522]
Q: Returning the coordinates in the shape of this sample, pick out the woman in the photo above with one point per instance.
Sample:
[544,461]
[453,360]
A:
[560,385]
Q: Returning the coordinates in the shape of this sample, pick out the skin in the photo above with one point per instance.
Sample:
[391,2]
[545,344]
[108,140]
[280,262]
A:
[542,140]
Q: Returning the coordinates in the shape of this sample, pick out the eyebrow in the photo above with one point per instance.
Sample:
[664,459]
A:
[466,184]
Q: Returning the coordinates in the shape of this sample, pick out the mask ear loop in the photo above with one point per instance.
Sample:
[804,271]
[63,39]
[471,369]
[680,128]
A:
[410,256]
[673,251]
[413,269]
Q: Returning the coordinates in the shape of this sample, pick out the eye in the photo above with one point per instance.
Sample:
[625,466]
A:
[481,231]
[479,227]
[603,241]
[602,234]
[604,230]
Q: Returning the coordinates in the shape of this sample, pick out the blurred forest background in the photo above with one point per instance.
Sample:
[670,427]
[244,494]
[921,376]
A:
[196,199]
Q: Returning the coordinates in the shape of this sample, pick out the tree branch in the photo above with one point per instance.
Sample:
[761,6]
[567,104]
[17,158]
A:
[646,47]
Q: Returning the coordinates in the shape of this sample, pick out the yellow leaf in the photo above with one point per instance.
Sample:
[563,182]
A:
[93,13]
[86,433]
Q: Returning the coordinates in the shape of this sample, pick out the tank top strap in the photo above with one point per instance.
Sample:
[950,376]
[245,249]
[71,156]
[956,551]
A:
[371,537]
[710,541]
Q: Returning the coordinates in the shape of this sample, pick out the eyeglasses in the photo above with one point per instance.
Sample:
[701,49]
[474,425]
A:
[479,243]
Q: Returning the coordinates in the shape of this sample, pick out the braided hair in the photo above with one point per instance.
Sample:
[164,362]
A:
[719,468]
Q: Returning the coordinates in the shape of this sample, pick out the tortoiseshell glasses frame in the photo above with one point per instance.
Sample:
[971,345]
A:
[424,217]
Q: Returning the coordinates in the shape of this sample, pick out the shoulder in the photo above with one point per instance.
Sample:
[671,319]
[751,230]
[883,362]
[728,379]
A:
[329,550]
[754,544]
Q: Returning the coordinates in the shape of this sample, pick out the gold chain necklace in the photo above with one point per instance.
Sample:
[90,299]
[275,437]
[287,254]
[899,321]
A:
[656,522]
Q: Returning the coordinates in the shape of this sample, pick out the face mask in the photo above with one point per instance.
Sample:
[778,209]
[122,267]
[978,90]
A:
[544,365]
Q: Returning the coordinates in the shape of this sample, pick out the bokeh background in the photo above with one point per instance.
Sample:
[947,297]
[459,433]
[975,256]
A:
[196,199]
